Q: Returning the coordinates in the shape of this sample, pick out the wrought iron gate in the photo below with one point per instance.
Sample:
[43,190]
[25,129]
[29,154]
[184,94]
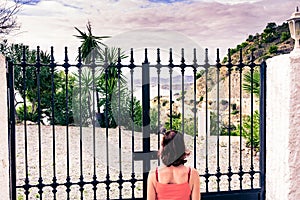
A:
[231,167]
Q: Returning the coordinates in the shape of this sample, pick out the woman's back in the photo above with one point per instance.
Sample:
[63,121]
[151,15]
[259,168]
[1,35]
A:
[173,175]
[173,183]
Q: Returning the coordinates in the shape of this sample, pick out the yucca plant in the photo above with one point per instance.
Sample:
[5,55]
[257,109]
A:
[86,91]
[251,84]
[90,43]
[247,86]
[106,80]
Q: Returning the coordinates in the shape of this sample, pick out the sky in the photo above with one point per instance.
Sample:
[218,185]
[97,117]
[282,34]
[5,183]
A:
[148,24]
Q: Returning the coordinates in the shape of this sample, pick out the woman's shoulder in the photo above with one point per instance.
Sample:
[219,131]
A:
[152,174]
[164,169]
[194,175]
[194,171]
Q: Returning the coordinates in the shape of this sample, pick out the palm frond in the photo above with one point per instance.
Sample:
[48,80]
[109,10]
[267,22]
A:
[90,43]
[250,81]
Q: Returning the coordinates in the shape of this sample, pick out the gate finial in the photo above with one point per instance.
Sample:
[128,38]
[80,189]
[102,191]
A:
[66,55]
[158,56]
[171,58]
[131,56]
[206,56]
[182,56]
[195,57]
[146,56]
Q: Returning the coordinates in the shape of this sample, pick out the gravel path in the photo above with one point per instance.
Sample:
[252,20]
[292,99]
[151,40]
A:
[47,163]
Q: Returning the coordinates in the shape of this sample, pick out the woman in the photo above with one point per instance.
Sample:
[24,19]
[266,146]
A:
[173,181]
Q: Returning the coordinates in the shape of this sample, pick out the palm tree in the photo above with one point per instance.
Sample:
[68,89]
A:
[251,123]
[250,81]
[86,92]
[108,83]
[105,80]
[90,43]
[90,48]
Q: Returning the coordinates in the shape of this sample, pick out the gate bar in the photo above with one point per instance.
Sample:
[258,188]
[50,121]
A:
[12,133]
[146,120]
[262,129]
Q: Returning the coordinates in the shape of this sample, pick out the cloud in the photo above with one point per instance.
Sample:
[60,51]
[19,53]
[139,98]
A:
[166,1]
[231,2]
[49,9]
[29,2]
[210,24]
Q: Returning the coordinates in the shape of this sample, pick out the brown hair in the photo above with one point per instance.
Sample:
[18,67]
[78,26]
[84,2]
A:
[173,151]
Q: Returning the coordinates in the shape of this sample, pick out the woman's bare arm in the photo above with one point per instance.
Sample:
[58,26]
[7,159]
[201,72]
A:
[195,181]
[151,195]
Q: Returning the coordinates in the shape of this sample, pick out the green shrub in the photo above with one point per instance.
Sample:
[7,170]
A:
[234,106]
[246,130]
[31,115]
[164,103]
[265,57]
[137,114]
[233,51]
[284,36]
[243,45]
[154,120]
[250,38]
[234,112]
[20,197]
[225,130]
[14,51]
[200,74]
[189,126]
[127,117]
[60,109]
[201,99]
[273,49]
[253,48]
[176,124]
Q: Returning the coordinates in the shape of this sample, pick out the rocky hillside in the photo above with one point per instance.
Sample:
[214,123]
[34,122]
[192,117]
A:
[274,40]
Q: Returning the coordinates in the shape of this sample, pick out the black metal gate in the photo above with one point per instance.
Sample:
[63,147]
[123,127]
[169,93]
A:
[77,156]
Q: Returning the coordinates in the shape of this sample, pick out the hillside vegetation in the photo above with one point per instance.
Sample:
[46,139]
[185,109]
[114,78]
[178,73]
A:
[274,40]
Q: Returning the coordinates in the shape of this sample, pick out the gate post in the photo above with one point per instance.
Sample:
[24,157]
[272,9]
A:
[4,161]
[283,127]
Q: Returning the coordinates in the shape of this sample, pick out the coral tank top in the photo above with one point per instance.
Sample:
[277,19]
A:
[173,191]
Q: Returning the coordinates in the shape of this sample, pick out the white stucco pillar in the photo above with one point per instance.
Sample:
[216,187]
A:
[283,128]
[4,163]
